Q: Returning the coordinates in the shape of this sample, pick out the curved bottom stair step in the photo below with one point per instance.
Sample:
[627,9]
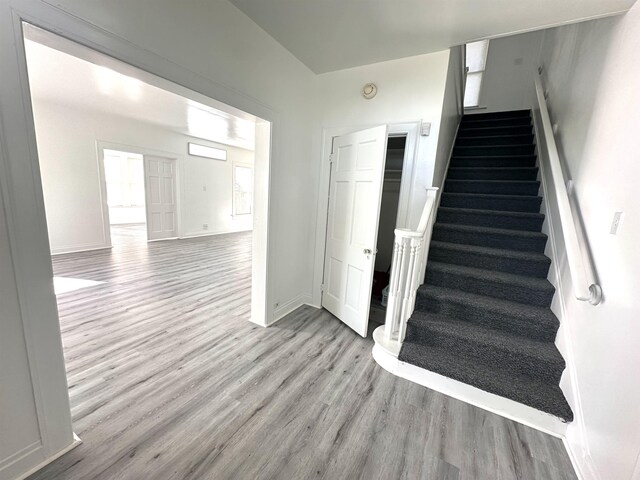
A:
[539,395]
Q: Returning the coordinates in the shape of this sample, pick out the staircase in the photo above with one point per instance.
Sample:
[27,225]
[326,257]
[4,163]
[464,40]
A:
[482,316]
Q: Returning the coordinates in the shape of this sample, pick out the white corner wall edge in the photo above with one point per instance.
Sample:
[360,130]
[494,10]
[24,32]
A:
[581,460]
[76,442]
[487,401]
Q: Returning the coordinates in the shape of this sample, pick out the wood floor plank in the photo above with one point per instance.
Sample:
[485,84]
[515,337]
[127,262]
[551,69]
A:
[169,380]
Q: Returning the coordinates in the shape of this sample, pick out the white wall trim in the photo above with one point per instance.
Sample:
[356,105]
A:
[411,129]
[88,247]
[286,308]
[76,442]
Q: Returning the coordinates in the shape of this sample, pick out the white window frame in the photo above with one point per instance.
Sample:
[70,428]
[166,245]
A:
[479,72]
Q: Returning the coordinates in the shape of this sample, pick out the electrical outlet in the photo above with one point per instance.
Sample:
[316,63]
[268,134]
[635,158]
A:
[205,226]
[617,223]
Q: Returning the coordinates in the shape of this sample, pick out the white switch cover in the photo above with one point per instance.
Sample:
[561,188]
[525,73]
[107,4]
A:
[617,223]
[425,129]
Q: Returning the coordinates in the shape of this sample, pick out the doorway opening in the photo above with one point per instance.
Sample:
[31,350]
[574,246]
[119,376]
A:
[124,179]
[127,158]
[387,223]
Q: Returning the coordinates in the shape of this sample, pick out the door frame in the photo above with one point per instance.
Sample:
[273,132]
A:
[101,145]
[407,188]
[23,200]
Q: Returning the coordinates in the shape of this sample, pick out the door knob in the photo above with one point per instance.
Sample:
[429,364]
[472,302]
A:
[367,251]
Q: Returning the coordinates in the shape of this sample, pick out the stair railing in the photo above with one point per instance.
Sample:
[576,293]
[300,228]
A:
[582,276]
[408,267]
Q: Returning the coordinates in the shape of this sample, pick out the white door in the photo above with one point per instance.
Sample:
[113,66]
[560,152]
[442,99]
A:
[160,179]
[357,170]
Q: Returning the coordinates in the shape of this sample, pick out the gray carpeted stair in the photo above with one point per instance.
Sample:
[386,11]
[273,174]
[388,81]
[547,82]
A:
[482,316]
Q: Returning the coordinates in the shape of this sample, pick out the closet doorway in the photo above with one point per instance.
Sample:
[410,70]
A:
[388,222]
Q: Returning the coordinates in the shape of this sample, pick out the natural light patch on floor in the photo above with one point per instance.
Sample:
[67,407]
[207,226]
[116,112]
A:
[66,284]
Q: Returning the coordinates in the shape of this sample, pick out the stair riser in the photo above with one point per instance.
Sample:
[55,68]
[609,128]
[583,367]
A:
[509,204]
[490,355]
[488,150]
[490,288]
[523,326]
[531,224]
[487,162]
[490,115]
[491,240]
[490,262]
[492,174]
[494,141]
[530,188]
[499,122]
[469,131]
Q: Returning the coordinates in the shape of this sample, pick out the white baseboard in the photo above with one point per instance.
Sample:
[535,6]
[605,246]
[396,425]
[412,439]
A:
[80,248]
[487,401]
[286,308]
[205,233]
[76,442]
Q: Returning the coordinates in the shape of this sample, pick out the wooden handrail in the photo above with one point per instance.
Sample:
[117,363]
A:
[584,285]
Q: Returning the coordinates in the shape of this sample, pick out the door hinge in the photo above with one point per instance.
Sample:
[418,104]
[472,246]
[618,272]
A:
[331,158]
[323,287]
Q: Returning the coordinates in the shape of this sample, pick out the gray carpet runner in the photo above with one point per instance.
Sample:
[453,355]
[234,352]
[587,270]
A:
[482,316]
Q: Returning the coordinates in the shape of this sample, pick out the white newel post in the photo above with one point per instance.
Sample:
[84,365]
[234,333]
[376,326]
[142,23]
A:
[408,266]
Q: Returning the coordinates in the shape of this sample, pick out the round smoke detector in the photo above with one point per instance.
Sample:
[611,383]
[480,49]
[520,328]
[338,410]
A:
[369,91]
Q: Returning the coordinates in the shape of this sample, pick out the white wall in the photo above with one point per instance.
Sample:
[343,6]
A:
[67,147]
[452,109]
[209,47]
[506,83]
[592,78]
[409,89]
[125,215]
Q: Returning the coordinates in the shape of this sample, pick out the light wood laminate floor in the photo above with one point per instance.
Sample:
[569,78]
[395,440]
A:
[169,380]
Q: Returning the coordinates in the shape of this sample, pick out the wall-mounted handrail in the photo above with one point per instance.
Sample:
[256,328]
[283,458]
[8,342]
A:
[408,264]
[583,279]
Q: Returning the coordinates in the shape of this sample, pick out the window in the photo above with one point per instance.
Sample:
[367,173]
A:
[476,63]
[124,176]
[198,150]
[242,189]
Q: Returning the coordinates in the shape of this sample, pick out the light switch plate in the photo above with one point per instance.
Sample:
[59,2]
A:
[617,223]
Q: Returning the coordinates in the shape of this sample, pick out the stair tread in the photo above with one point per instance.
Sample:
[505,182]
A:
[490,230]
[469,169]
[498,252]
[503,277]
[506,307]
[546,351]
[499,196]
[504,213]
[484,137]
[521,182]
[489,129]
[528,391]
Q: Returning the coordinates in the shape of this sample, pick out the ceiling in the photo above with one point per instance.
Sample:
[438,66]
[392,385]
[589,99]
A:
[57,77]
[328,35]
